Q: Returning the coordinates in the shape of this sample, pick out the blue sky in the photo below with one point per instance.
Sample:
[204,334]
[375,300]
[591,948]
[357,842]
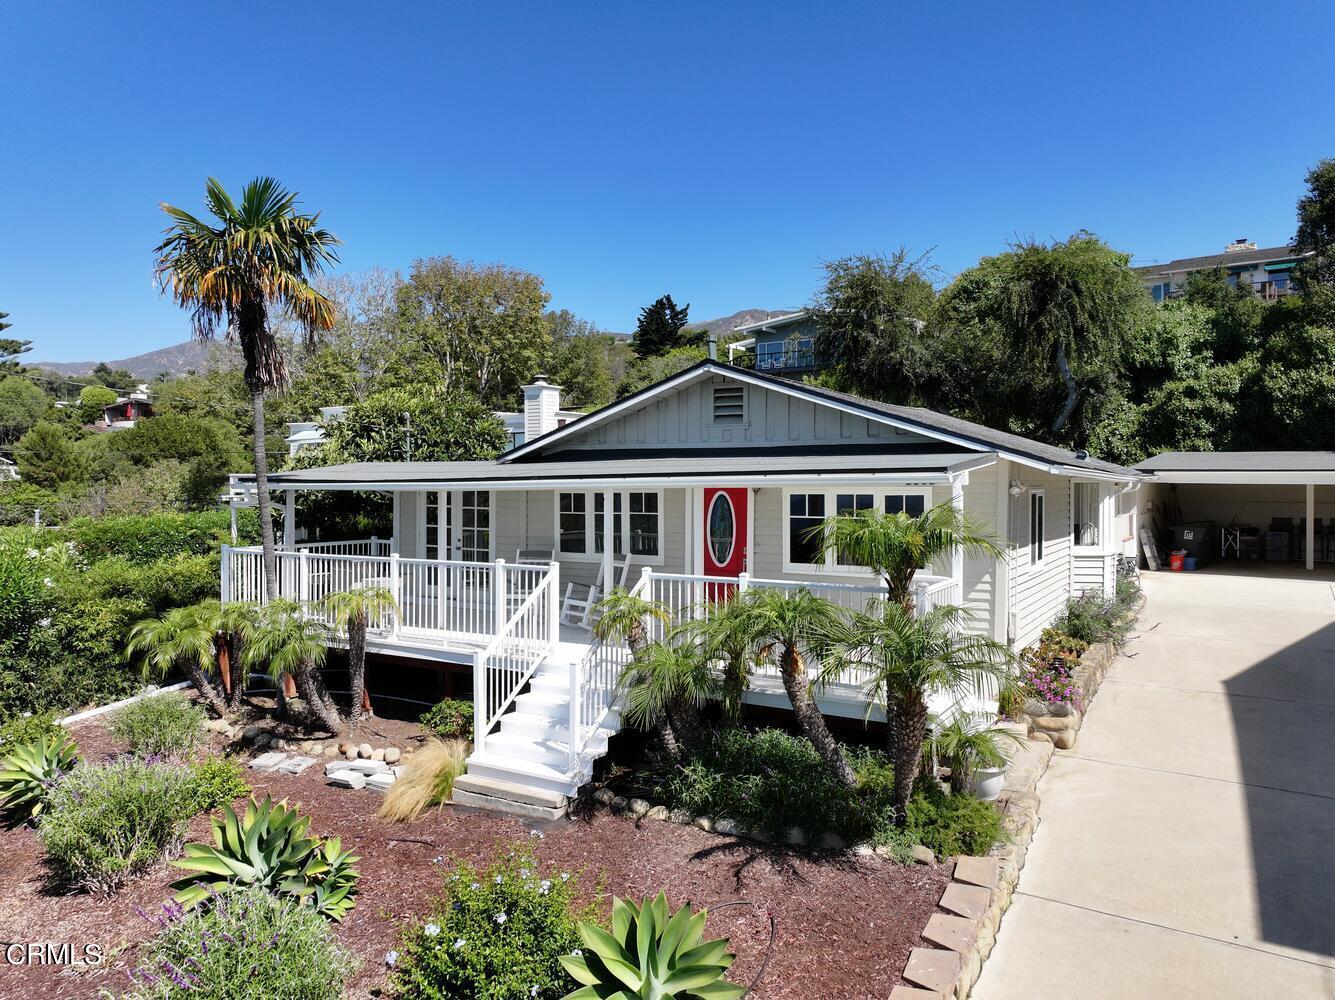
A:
[716,151]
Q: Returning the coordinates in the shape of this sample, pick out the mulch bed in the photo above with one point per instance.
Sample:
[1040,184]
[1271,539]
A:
[845,924]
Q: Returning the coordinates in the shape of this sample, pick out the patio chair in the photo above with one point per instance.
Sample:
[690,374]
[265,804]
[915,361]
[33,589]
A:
[534,557]
[578,603]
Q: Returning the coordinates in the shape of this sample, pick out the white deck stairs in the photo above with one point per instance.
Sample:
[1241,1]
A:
[526,766]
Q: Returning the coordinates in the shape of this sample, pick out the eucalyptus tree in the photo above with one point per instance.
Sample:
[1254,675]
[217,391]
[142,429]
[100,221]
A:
[256,256]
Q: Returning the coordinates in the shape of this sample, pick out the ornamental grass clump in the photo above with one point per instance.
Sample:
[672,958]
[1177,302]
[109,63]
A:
[427,780]
[495,933]
[108,822]
[247,944]
[165,726]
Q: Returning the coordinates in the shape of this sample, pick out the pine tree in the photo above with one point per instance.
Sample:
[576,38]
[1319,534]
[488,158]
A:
[46,456]
[659,328]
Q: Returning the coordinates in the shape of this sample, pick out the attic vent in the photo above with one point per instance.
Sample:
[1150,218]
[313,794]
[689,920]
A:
[729,404]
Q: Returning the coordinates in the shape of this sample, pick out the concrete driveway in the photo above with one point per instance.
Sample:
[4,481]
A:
[1187,845]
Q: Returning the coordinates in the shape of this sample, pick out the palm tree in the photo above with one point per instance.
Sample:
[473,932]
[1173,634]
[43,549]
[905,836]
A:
[623,617]
[782,626]
[260,255]
[288,641]
[180,639]
[352,612]
[719,629]
[894,546]
[969,741]
[905,657]
[664,688]
[233,625]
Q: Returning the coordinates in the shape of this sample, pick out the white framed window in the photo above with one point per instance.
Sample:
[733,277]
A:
[1087,515]
[1038,502]
[804,510]
[636,524]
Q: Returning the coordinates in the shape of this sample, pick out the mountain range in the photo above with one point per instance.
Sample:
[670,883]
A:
[192,355]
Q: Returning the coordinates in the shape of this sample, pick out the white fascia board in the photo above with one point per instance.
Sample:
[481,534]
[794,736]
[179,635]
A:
[1292,477]
[647,481]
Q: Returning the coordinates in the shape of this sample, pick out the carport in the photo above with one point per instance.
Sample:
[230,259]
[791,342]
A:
[1258,495]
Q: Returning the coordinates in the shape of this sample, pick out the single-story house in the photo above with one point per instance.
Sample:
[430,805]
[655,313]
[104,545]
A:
[713,479]
[127,410]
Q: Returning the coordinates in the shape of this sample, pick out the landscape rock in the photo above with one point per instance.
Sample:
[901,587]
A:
[659,813]
[343,747]
[250,733]
[794,835]
[604,796]
[350,753]
[638,807]
[378,754]
[725,827]
[704,823]
[619,803]
[922,855]
[217,725]
[392,755]
[262,740]
[681,816]
[831,841]
[364,751]
[1064,740]
[331,750]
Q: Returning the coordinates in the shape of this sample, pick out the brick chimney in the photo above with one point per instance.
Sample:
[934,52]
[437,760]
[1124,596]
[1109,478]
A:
[541,401]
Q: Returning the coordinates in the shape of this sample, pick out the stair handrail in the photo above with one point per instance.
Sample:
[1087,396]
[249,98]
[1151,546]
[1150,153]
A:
[548,584]
[584,724]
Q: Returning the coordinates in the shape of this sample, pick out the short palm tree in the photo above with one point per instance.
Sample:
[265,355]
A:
[233,625]
[905,657]
[624,617]
[258,254]
[182,640]
[783,626]
[664,689]
[970,741]
[288,641]
[894,546]
[351,612]
[719,629]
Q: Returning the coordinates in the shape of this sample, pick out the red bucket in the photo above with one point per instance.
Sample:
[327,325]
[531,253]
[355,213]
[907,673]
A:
[1177,561]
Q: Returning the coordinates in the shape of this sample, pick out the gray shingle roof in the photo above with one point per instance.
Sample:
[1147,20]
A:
[1240,461]
[1237,258]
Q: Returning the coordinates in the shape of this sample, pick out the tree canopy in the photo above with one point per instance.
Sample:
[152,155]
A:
[415,423]
[660,328]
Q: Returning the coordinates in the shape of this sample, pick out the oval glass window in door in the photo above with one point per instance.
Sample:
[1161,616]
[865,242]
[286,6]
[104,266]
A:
[722,528]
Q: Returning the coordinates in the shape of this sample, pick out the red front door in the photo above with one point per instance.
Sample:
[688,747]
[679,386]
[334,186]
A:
[725,541]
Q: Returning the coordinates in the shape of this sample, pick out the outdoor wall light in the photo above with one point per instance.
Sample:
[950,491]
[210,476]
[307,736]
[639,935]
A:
[1017,487]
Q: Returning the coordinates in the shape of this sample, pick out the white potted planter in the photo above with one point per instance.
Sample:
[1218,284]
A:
[986,783]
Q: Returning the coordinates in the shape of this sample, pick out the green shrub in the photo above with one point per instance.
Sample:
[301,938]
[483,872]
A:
[770,780]
[1047,670]
[164,725]
[249,943]
[269,845]
[150,538]
[28,728]
[948,824]
[495,934]
[1092,619]
[1127,594]
[451,719]
[106,823]
[215,782]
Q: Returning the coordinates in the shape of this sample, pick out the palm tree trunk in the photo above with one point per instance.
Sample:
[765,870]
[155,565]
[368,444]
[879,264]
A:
[357,666]
[910,731]
[317,699]
[686,721]
[668,739]
[270,560]
[809,717]
[236,670]
[205,688]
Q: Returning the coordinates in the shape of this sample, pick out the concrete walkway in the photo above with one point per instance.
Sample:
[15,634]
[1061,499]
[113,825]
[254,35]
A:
[1186,847]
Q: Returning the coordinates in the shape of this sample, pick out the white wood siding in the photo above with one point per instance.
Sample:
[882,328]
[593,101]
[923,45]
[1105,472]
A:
[1039,593]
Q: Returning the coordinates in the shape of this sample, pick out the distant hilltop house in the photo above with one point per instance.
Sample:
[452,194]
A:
[127,410]
[1265,269]
[542,412]
[780,345]
[8,470]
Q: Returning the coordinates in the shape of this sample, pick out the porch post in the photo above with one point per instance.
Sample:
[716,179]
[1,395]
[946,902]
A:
[498,592]
[304,577]
[957,554]
[225,573]
[1311,526]
[232,507]
[396,589]
[609,536]
[289,519]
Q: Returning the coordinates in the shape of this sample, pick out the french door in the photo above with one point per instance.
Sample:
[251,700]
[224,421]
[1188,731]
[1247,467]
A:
[456,524]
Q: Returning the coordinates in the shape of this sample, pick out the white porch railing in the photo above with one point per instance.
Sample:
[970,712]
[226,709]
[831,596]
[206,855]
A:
[349,547]
[504,665]
[595,684]
[435,597]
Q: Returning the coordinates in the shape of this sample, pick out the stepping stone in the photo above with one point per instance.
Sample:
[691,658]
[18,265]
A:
[951,933]
[334,767]
[964,900]
[379,782]
[365,766]
[933,969]
[977,871]
[296,765]
[268,761]
[911,993]
[348,779]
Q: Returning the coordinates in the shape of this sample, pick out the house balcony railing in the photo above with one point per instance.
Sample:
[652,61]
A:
[786,360]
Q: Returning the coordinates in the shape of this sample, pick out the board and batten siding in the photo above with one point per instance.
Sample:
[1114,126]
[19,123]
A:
[685,419]
[1038,593]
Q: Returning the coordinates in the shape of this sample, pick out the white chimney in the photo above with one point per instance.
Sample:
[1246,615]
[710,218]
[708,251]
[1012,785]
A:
[541,401]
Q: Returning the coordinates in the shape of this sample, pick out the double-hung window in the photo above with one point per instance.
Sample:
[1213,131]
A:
[636,524]
[807,510]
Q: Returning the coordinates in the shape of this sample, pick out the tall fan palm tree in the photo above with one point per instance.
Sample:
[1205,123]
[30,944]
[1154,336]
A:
[352,611]
[288,641]
[259,255]
[784,626]
[905,657]
[894,546]
[182,640]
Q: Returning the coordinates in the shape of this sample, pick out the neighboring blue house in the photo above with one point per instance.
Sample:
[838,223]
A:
[780,345]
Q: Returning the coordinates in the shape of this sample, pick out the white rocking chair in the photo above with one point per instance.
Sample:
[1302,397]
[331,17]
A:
[534,557]
[578,603]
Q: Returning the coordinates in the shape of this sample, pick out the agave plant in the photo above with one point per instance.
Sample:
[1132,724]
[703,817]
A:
[650,955]
[28,773]
[270,846]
